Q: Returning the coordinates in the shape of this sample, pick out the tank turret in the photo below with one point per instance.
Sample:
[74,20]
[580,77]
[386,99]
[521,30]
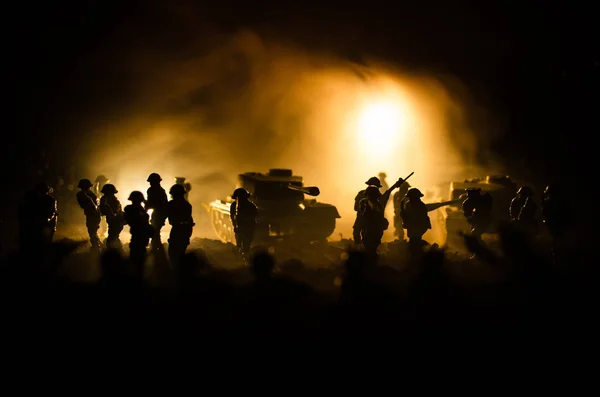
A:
[284,210]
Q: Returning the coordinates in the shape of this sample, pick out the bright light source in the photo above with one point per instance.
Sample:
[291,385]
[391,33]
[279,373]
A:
[380,128]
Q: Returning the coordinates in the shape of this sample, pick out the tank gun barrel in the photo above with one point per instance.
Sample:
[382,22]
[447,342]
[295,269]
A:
[309,190]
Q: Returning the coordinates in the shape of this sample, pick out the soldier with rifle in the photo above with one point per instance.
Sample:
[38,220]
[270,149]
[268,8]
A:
[88,201]
[415,216]
[370,220]
[110,207]
[244,218]
[157,202]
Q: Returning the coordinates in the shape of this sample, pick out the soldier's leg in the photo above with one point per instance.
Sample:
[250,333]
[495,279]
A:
[157,223]
[93,224]
[137,254]
[246,243]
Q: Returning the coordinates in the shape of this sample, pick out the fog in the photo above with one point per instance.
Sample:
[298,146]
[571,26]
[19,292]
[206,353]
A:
[251,104]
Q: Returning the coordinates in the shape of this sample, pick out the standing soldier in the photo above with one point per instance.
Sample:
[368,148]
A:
[157,202]
[477,208]
[370,220]
[523,209]
[38,217]
[139,226]
[110,207]
[398,200]
[180,180]
[179,212]
[88,201]
[244,216]
[99,183]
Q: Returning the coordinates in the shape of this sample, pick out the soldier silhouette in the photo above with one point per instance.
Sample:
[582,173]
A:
[370,220]
[38,217]
[244,215]
[415,216]
[477,208]
[141,231]
[398,200]
[99,183]
[88,201]
[157,202]
[179,212]
[110,207]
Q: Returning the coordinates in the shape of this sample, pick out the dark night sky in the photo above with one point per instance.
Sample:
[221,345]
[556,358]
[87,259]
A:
[532,66]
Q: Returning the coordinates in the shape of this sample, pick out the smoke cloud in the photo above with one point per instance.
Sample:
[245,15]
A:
[251,104]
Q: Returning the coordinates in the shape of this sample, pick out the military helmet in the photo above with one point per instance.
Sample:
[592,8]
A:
[177,190]
[136,196]
[180,179]
[372,192]
[84,183]
[240,192]
[374,181]
[154,177]
[109,188]
[101,179]
[525,191]
[413,192]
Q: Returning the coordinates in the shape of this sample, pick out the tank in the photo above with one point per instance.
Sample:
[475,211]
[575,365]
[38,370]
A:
[448,221]
[284,211]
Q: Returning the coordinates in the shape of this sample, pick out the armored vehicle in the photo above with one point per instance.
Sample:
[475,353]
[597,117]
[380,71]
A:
[284,212]
[448,221]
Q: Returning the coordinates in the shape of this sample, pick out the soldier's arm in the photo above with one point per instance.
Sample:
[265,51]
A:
[357,199]
[232,213]
[357,227]
[386,196]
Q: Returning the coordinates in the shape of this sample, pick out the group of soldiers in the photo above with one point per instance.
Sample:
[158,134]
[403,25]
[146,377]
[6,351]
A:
[411,213]
[38,217]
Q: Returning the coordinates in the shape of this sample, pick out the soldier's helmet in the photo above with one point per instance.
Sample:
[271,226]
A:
[154,177]
[177,190]
[413,193]
[136,197]
[374,181]
[84,183]
[524,191]
[109,188]
[180,180]
[240,193]
[101,179]
[372,192]
[43,188]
